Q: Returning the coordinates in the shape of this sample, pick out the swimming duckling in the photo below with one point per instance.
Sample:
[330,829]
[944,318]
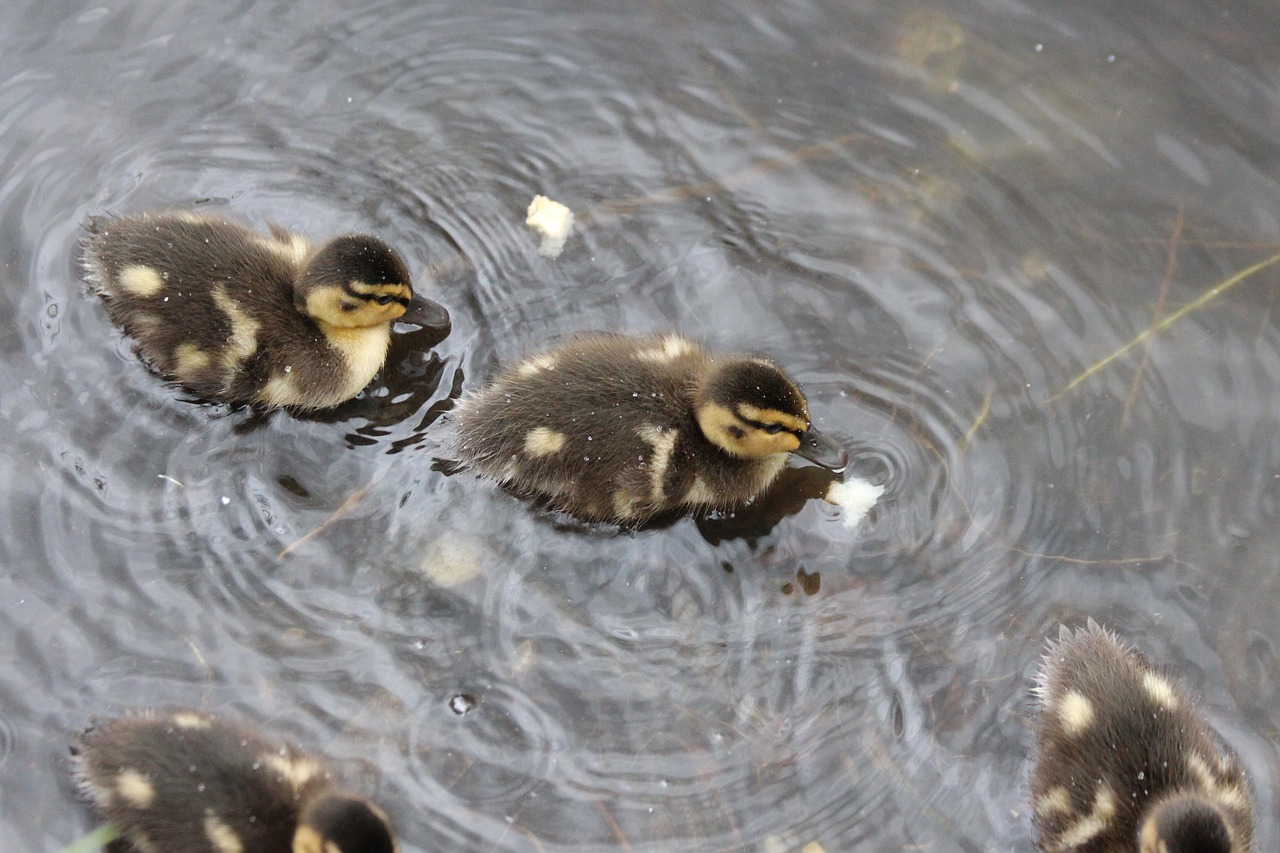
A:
[189,782]
[1125,761]
[615,428]
[241,317]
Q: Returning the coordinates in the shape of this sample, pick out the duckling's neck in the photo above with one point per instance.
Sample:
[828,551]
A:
[364,348]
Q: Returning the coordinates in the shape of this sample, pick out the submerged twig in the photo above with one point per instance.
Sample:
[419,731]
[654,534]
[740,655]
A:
[613,825]
[979,420]
[1170,264]
[347,505]
[1209,295]
[717,185]
[94,841]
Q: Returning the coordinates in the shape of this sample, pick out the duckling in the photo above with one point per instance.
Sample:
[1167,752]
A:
[621,429]
[241,317]
[184,781]
[1125,760]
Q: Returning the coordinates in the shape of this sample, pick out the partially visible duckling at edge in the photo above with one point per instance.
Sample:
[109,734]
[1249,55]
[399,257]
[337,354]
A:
[615,428]
[1126,762]
[242,317]
[189,782]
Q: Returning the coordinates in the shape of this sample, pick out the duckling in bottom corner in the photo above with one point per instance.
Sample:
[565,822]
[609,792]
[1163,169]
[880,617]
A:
[1125,761]
[622,429]
[241,317]
[189,782]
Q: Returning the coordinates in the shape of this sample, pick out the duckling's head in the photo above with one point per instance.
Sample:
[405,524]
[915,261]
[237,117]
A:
[1185,823]
[340,822]
[750,409]
[358,281]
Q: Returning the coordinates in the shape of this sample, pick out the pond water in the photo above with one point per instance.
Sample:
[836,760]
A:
[937,217]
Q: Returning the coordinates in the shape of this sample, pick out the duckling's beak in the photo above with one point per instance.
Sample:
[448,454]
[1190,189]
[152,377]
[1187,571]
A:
[820,450]
[425,313]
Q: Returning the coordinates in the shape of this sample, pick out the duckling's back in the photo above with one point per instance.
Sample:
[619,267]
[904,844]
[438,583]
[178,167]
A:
[186,783]
[201,296]
[583,424]
[1115,738]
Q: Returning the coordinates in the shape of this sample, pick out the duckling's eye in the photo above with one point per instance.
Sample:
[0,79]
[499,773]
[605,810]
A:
[774,429]
[384,300]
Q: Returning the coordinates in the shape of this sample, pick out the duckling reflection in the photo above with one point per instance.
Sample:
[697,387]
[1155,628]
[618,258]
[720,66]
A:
[241,317]
[1125,761]
[625,429]
[189,782]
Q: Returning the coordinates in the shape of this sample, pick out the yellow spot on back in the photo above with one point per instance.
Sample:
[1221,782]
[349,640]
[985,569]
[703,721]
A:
[140,280]
[189,359]
[541,441]
[537,364]
[1104,808]
[297,771]
[135,788]
[1226,793]
[1056,801]
[299,248]
[139,840]
[296,249]
[221,836]
[668,349]
[187,720]
[663,441]
[243,340]
[699,494]
[624,506]
[1160,690]
[1075,712]
[281,390]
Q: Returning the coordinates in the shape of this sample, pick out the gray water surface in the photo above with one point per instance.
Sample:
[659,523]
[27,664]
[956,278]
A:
[935,216]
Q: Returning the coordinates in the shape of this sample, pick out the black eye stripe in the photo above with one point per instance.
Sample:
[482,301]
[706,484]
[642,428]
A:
[764,427]
[374,297]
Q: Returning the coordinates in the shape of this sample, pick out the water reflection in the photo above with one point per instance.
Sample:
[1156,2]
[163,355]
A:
[936,218]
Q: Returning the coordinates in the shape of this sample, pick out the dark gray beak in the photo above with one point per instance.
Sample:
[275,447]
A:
[425,313]
[820,450]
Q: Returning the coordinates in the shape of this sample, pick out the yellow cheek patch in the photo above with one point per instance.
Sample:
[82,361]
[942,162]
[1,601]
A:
[141,280]
[748,412]
[1150,840]
[325,305]
[738,438]
[307,840]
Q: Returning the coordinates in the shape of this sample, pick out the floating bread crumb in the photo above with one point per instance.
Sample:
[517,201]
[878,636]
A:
[856,497]
[553,221]
[451,562]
